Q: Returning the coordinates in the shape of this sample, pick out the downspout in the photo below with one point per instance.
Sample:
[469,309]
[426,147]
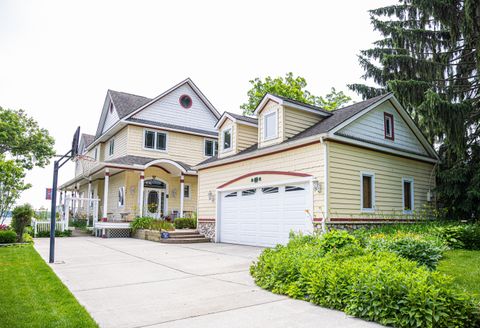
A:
[325,182]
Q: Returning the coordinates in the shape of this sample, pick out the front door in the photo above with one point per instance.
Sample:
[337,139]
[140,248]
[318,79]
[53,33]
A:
[154,203]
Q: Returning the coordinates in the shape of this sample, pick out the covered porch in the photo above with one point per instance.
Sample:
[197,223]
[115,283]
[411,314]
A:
[133,186]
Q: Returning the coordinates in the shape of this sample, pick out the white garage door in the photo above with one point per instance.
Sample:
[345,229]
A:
[264,216]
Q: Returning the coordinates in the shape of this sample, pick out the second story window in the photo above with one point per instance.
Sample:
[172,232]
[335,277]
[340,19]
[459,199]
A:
[155,140]
[388,126]
[111,147]
[211,147]
[270,126]
[227,139]
[95,153]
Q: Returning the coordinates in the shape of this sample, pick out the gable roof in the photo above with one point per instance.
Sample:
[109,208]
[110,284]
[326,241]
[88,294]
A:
[87,139]
[235,117]
[291,103]
[126,103]
[327,125]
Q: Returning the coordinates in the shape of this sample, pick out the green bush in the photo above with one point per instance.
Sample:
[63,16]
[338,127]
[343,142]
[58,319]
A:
[79,223]
[374,285]
[141,223]
[7,237]
[21,217]
[28,230]
[425,251]
[151,223]
[460,236]
[27,238]
[185,223]
[58,233]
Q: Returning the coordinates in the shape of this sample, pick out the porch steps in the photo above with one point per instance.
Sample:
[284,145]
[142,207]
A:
[185,236]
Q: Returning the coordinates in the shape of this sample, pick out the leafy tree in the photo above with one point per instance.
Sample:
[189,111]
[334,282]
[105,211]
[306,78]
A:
[291,87]
[428,57]
[11,185]
[21,217]
[23,140]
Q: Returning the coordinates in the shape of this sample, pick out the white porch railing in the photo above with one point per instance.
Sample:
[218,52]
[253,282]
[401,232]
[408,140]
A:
[39,226]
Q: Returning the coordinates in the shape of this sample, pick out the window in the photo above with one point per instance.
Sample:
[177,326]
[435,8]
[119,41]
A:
[211,147]
[407,195]
[121,196]
[388,126]
[185,101]
[232,194]
[186,191]
[111,108]
[270,190]
[95,153]
[248,192]
[270,126]
[367,191]
[293,188]
[227,139]
[155,140]
[111,147]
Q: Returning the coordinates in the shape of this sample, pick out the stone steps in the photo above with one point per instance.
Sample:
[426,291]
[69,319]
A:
[185,237]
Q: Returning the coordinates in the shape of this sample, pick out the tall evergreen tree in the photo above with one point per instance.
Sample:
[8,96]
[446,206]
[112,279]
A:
[428,57]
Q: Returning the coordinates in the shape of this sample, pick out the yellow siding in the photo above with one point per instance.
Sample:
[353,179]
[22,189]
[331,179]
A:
[227,124]
[246,136]
[120,147]
[345,165]
[181,147]
[308,159]
[269,107]
[297,121]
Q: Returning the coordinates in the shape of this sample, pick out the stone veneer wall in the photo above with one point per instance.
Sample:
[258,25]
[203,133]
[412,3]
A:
[207,229]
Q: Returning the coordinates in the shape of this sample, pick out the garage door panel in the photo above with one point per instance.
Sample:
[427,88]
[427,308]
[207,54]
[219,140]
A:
[263,216]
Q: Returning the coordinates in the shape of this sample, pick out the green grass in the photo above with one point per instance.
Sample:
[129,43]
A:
[31,295]
[464,267]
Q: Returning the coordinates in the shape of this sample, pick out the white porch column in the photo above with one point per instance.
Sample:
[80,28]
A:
[182,193]
[140,193]
[89,192]
[105,194]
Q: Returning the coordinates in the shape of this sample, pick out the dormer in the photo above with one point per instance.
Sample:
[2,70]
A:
[280,118]
[235,133]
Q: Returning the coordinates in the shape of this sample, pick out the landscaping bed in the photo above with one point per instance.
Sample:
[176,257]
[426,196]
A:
[33,296]
[405,276]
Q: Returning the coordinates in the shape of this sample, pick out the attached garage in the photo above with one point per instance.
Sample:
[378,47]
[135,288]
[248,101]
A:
[264,216]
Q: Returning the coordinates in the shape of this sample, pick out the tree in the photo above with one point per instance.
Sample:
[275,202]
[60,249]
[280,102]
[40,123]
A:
[23,145]
[428,57]
[11,185]
[293,88]
[23,140]
[21,217]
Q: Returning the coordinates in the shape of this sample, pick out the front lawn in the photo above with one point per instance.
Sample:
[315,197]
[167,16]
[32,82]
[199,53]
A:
[31,295]
[464,266]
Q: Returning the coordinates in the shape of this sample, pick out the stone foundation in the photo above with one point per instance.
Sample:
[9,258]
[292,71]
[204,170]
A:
[152,235]
[207,229]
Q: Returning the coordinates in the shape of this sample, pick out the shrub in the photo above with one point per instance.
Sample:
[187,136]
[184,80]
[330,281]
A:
[141,223]
[185,223]
[460,236]
[4,227]
[28,230]
[21,217]
[27,238]
[162,225]
[58,233]
[425,251]
[150,223]
[7,236]
[80,223]
[336,239]
[379,286]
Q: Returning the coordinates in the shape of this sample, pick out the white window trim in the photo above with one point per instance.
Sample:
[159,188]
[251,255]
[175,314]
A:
[189,191]
[275,136]
[372,175]
[110,148]
[215,152]
[231,139]
[95,153]
[155,141]
[412,194]
[122,191]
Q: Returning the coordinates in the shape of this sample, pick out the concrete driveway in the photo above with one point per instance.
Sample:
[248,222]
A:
[137,283]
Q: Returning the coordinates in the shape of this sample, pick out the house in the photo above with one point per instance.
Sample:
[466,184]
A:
[139,162]
[296,164]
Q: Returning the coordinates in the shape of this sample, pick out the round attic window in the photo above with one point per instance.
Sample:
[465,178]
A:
[185,101]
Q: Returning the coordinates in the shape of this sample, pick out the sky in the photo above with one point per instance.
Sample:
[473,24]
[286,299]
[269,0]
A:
[58,58]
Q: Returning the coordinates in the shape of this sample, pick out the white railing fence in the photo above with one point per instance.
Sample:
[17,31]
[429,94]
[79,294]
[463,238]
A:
[77,208]
[41,225]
